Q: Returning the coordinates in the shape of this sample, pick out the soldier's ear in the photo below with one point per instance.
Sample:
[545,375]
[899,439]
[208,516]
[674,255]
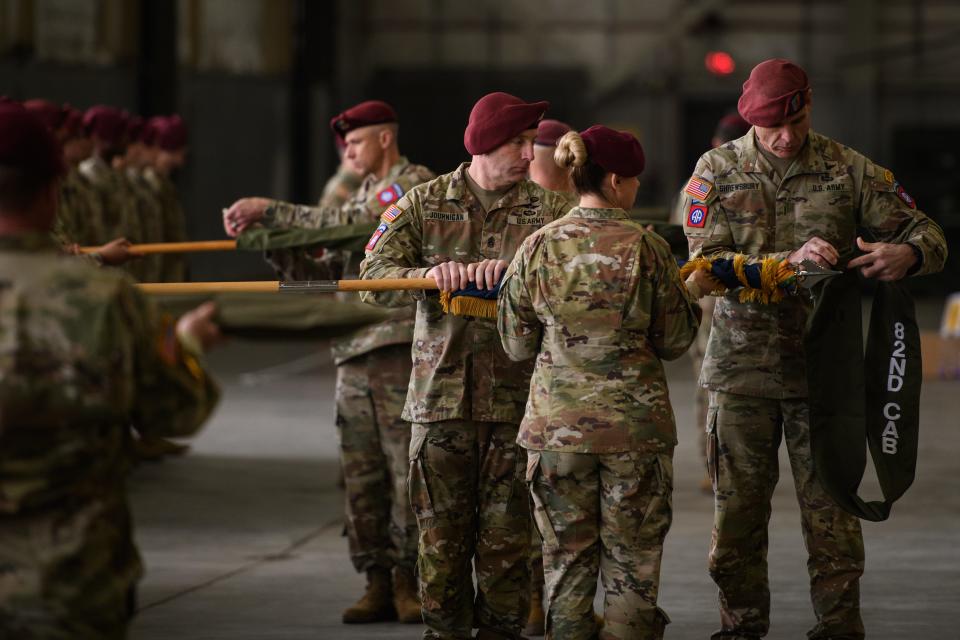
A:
[386,137]
[614,181]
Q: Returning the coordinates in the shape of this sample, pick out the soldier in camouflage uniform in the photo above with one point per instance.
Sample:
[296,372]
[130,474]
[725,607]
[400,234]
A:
[79,208]
[598,300]
[373,370]
[80,212]
[465,396]
[82,356]
[784,191]
[167,153]
[149,210]
[117,203]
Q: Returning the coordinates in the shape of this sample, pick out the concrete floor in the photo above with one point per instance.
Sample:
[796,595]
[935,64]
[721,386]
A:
[242,537]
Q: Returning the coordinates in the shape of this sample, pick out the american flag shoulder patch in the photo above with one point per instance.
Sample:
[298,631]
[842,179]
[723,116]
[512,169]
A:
[698,188]
[391,213]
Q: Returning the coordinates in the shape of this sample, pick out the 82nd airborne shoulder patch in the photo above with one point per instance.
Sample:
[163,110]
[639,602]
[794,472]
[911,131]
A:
[390,194]
[906,197]
[697,215]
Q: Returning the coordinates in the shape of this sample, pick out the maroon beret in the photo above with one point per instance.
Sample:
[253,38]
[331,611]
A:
[615,151]
[775,90]
[362,115]
[498,117]
[72,120]
[549,131]
[47,112]
[27,144]
[135,127]
[151,129]
[171,134]
[106,123]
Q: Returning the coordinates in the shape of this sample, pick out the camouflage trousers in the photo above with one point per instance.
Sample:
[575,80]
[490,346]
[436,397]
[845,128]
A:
[744,437]
[371,390]
[467,491]
[606,514]
[69,573]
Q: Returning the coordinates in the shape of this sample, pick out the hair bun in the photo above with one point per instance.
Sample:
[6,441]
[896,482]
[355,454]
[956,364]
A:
[571,152]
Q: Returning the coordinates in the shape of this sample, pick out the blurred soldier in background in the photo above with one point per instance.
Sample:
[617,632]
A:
[83,357]
[107,127]
[80,210]
[544,169]
[149,211]
[167,140]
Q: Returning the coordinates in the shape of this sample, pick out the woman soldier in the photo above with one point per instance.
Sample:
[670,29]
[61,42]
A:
[599,301]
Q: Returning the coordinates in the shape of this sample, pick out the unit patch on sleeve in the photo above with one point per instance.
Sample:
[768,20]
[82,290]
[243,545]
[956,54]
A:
[376,236]
[906,197]
[392,213]
[390,194]
[697,215]
[698,188]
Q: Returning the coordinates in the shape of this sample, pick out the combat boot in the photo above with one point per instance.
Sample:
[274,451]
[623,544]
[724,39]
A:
[405,598]
[376,605]
[536,620]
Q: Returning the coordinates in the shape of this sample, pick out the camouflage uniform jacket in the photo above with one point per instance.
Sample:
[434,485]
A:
[460,370]
[83,358]
[150,211]
[79,213]
[734,203]
[117,201]
[174,268]
[366,205]
[599,301]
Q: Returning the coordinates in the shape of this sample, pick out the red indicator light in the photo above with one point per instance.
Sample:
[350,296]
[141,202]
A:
[719,63]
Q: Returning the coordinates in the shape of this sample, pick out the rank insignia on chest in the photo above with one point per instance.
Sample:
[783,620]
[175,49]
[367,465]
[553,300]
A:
[376,236]
[392,213]
[698,188]
[906,197]
[697,215]
[390,194]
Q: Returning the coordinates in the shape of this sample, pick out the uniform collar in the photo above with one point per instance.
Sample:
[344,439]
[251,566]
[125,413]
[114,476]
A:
[524,192]
[815,156]
[30,241]
[597,214]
